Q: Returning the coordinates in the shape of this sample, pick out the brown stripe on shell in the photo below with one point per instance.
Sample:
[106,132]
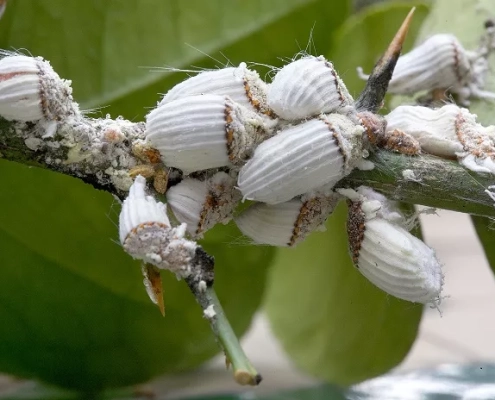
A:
[43,95]
[336,138]
[213,201]
[459,129]
[474,142]
[255,102]
[10,75]
[135,230]
[229,131]
[456,62]
[306,214]
[355,229]
[336,81]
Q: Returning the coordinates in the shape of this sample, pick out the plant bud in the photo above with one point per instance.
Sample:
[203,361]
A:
[241,84]
[286,224]
[386,253]
[302,158]
[449,131]
[203,132]
[203,204]
[146,234]
[30,90]
[440,62]
[307,87]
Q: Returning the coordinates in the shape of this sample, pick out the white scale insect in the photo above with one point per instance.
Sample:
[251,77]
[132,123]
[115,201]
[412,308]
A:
[441,62]
[386,253]
[287,224]
[449,131]
[216,119]
[203,204]
[306,88]
[30,90]
[200,132]
[302,158]
[146,233]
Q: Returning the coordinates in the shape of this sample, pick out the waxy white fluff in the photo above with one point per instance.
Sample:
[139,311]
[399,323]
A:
[440,62]
[386,253]
[146,234]
[242,85]
[286,224]
[449,131]
[203,204]
[203,132]
[307,87]
[302,158]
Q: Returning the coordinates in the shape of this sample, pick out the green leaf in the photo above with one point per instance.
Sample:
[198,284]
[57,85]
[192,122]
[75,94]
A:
[365,36]
[73,307]
[332,321]
[110,59]
[468,25]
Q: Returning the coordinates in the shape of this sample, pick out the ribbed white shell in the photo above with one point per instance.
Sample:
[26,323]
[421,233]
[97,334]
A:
[448,131]
[285,224]
[241,84]
[146,234]
[203,204]
[186,200]
[269,224]
[439,62]
[139,208]
[191,132]
[399,263]
[433,128]
[20,96]
[300,159]
[386,253]
[307,87]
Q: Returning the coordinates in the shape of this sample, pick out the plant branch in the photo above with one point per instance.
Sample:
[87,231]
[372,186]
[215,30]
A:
[101,152]
[427,180]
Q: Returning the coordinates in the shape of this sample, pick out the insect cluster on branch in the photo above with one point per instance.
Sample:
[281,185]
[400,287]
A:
[225,136]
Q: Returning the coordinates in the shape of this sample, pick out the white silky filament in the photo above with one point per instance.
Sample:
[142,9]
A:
[302,158]
[286,224]
[146,234]
[449,131]
[386,253]
[203,204]
[242,85]
[202,132]
[307,87]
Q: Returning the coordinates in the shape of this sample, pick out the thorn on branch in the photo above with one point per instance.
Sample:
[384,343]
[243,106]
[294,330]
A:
[371,98]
